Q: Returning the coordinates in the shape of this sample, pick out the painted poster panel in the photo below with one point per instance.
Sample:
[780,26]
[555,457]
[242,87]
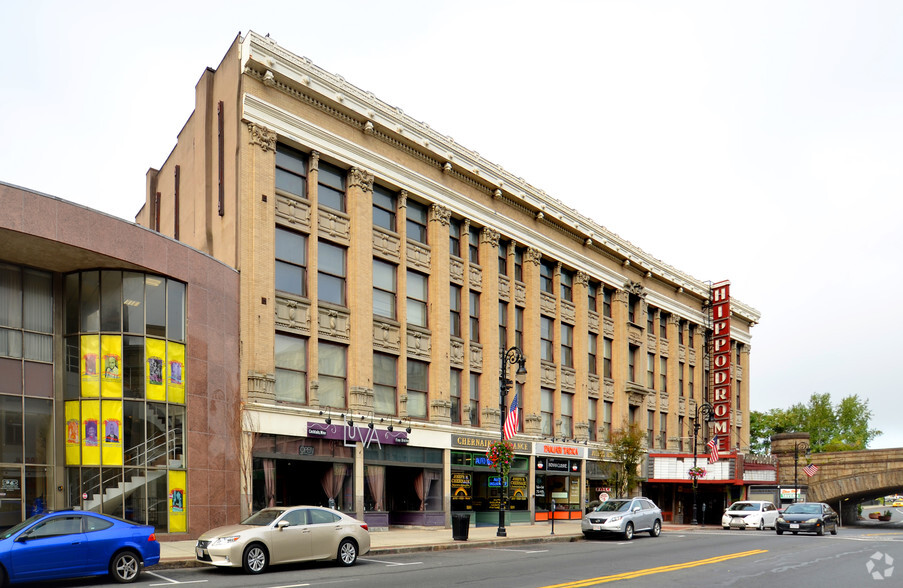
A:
[156,370]
[73,433]
[91,432]
[111,432]
[90,366]
[177,500]
[111,360]
[175,358]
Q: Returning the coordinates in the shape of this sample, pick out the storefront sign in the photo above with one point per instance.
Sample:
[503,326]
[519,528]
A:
[482,443]
[721,358]
[353,435]
[305,450]
[562,450]
[557,465]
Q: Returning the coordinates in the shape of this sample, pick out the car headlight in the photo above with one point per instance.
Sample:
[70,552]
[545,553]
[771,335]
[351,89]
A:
[813,520]
[615,519]
[780,520]
[224,540]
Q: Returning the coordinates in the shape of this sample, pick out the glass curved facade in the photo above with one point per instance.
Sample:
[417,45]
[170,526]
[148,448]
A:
[124,390]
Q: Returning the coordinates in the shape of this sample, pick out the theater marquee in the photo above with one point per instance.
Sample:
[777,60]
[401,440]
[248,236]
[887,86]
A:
[721,360]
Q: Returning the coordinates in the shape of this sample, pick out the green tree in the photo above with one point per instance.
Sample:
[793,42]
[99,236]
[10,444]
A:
[841,428]
[628,445]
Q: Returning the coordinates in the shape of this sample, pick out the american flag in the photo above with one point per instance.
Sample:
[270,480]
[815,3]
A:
[713,446]
[810,469]
[511,421]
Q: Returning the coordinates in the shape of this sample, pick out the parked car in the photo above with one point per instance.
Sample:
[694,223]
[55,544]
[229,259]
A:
[807,517]
[75,543]
[897,503]
[623,516]
[750,513]
[284,535]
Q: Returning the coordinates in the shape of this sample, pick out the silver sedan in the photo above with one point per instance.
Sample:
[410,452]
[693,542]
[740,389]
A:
[285,535]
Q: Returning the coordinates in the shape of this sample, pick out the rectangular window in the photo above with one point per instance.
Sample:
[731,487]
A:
[663,373]
[650,429]
[333,371]
[607,345]
[519,264]
[385,205]
[291,262]
[547,277]
[690,378]
[680,433]
[417,291]
[680,331]
[632,304]
[592,292]
[650,370]
[663,430]
[503,258]
[547,410]
[454,392]
[606,421]
[291,369]
[385,383]
[663,325]
[566,282]
[473,245]
[567,415]
[546,338]
[567,345]
[592,408]
[593,344]
[418,386]
[650,321]
[690,338]
[291,171]
[606,302]
[385,289]
[454,237]
[415,221]
[503,325]
[680,378]
[331,186]
[454,300]
[519,327]
[474,399]
[631,362]
[331,273]
[474,316]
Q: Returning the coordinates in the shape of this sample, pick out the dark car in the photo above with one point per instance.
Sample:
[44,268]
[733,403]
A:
[807,517]
[74,543]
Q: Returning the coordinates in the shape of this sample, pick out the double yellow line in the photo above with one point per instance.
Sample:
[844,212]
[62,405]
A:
[658,570]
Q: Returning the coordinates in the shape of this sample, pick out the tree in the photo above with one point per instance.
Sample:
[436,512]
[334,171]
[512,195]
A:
[841,428]
[627,449]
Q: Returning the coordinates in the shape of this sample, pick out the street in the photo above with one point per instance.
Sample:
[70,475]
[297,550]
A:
[855,557]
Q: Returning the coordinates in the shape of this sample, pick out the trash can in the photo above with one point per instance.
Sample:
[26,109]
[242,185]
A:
[460,526]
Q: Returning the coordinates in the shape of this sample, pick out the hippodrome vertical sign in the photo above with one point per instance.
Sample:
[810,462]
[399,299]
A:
[721,361]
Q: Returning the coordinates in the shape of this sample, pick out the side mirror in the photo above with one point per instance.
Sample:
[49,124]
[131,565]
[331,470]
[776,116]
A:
[282,524]
[636,509]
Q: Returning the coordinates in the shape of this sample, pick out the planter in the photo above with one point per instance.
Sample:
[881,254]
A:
[874,515]
[884,518]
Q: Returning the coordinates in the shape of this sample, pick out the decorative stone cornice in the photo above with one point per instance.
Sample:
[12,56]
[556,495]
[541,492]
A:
[440,214]
[361,179]
[262,137]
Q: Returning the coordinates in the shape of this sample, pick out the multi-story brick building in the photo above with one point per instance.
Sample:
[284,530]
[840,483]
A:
[383,268]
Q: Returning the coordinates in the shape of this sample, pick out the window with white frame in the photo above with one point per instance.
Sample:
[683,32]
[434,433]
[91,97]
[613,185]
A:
[291,368]
[333,373]
[385,384]
[385,288]
[418,388]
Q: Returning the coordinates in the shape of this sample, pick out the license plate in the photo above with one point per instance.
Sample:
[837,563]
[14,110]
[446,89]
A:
[794,526]
[201,552]
[597,527]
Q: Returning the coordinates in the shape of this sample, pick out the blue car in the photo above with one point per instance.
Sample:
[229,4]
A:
[74,543]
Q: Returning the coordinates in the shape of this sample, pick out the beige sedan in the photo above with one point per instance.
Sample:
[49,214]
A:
[284,535]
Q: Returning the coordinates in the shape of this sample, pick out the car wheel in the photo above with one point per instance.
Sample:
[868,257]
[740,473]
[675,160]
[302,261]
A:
[821,531]
[347,552]
[778,531]
[125,567]
[834,529]
[656,529]
[254,559]
[628,531]
[2,577]
[761,524]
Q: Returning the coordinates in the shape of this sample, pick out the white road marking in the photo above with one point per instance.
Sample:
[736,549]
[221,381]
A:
[392,563]
[170,581]
[516,550]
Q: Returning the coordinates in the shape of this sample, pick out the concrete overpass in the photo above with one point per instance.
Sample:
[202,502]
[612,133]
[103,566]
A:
[844,478]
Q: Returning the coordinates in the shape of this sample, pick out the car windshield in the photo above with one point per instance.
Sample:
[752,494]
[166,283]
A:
[13,530]
[803,509]
[744,506]
[613,506]
[263,517]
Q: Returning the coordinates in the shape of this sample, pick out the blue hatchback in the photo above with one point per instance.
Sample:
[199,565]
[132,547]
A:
[73,543]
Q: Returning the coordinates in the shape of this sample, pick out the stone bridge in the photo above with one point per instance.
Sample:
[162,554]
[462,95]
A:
[844,478]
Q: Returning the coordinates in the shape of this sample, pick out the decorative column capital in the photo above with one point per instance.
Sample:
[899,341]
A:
[491,236]
[314,160]
[361,179]
[440,214]
[582,278]
[533,255]
[262,137]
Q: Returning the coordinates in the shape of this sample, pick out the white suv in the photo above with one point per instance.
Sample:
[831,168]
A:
[750,513]
[623,516]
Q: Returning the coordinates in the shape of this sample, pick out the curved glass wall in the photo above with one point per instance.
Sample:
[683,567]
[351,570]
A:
[124,396]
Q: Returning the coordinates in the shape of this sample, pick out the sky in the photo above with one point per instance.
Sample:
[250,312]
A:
[759,142]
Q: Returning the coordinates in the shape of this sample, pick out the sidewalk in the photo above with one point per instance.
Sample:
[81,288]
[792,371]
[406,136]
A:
[175,554]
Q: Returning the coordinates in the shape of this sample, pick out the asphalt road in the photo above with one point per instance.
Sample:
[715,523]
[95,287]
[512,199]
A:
[711,557]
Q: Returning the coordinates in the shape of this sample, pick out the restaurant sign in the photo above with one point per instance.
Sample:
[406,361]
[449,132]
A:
[350,436]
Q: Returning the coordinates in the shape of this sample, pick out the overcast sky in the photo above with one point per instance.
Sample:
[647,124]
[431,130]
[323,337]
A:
[758,142]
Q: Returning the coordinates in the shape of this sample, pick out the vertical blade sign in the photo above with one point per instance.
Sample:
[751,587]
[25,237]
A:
[721,360]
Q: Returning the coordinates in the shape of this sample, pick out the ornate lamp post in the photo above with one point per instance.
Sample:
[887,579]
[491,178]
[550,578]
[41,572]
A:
[511,356]
[708,413]
[801,446]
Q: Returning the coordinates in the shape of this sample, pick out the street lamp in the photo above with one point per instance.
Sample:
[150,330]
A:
[708,413]
[801,446]
[513,355]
